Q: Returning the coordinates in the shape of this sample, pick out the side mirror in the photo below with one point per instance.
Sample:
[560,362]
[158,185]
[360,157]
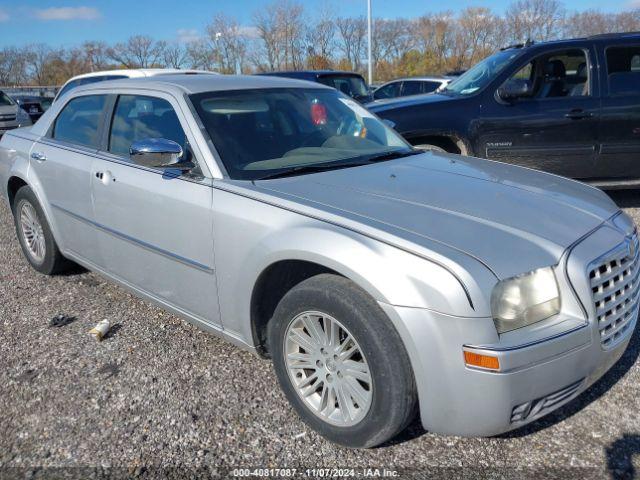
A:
[158,153]
[514,89]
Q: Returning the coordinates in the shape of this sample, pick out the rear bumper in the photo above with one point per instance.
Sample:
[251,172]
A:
[537,378]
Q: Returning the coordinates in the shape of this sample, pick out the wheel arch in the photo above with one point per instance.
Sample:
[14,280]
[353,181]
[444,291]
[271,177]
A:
[14,184]
[272,284]
[451,142]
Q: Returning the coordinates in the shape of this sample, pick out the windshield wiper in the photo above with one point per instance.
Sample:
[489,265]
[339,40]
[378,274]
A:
[303,169]
[323,167]
[383,157]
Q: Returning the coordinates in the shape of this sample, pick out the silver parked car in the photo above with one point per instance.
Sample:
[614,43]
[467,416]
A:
[11,115]
[285,217]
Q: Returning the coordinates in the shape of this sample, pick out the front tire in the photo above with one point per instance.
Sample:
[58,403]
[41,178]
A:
[341,363]
[34,234]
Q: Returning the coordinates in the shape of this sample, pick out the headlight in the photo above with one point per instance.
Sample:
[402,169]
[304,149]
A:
[529,298]
[23,118]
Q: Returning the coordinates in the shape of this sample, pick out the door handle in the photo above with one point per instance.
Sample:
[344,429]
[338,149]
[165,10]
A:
[105,177]
[38,156]
[578,114]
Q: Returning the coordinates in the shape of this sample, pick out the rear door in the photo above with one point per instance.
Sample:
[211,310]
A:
[62,163]
[553,126]
[620,126]
[155,227]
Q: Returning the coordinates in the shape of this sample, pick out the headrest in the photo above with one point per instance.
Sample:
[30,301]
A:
[554,68]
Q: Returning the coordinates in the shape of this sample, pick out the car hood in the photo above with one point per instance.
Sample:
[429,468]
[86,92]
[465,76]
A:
[511,219]
[391,103]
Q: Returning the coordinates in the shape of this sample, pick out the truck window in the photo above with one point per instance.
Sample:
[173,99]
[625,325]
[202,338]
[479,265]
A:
[623,70]
[559,74]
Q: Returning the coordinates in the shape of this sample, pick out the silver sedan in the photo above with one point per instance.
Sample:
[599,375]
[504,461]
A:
[381,280]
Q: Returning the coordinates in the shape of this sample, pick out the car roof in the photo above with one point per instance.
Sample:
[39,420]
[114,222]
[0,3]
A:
[429,78]
[191,84]
[138,72]
[603,37]
[306,73]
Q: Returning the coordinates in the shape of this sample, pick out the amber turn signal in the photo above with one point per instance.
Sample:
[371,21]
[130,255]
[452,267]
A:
[482,361]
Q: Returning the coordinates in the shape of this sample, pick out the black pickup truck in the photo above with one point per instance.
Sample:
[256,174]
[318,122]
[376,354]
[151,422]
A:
[570,107]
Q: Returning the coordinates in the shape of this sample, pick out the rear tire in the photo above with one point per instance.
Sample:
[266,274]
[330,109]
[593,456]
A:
[359,399]
[34,234]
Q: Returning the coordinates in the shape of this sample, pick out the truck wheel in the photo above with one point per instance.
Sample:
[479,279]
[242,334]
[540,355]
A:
[341,363]
[34,234]
[430,148]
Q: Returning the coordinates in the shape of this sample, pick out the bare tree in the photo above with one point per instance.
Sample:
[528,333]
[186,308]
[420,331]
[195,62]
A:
[95,55]
[175,55]
[13,66]
[139,51]
[281,30]
[535,20]
[227,43]
[352,39]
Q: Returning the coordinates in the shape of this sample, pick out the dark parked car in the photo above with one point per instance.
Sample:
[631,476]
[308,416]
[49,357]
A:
[34,106]
[349,83]
[403,87]
[570,107]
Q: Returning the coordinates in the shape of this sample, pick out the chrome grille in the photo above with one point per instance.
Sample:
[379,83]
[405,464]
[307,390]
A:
[7,118]
[614,283]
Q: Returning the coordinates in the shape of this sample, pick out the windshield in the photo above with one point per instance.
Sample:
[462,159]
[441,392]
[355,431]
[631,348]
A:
[5,100]
[478,76]
[259,133]
[351,85]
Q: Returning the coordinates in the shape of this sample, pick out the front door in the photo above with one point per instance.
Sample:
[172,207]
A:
[62,162]
[552,124]
[155,227]
[620,126]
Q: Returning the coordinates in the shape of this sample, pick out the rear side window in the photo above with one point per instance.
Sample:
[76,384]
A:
[78,121]
[623,70]
[138,117]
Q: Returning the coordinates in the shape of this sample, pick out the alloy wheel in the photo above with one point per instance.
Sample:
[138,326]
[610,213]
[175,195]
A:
[328,368]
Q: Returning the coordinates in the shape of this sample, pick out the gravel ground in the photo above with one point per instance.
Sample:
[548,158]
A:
[159,397]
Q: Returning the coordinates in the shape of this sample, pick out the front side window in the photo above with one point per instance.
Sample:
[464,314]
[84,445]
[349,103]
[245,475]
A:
[411,87]
[623,70]
[138,117]
[79,120]
[560,74]
[390,90]
[262,132]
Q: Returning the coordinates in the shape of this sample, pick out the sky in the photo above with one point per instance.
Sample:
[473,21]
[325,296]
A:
[70,22]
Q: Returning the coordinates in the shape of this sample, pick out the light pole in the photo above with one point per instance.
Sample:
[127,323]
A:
[369,40]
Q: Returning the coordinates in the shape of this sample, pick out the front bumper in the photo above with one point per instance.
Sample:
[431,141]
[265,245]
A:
[541,368]
[458,400]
